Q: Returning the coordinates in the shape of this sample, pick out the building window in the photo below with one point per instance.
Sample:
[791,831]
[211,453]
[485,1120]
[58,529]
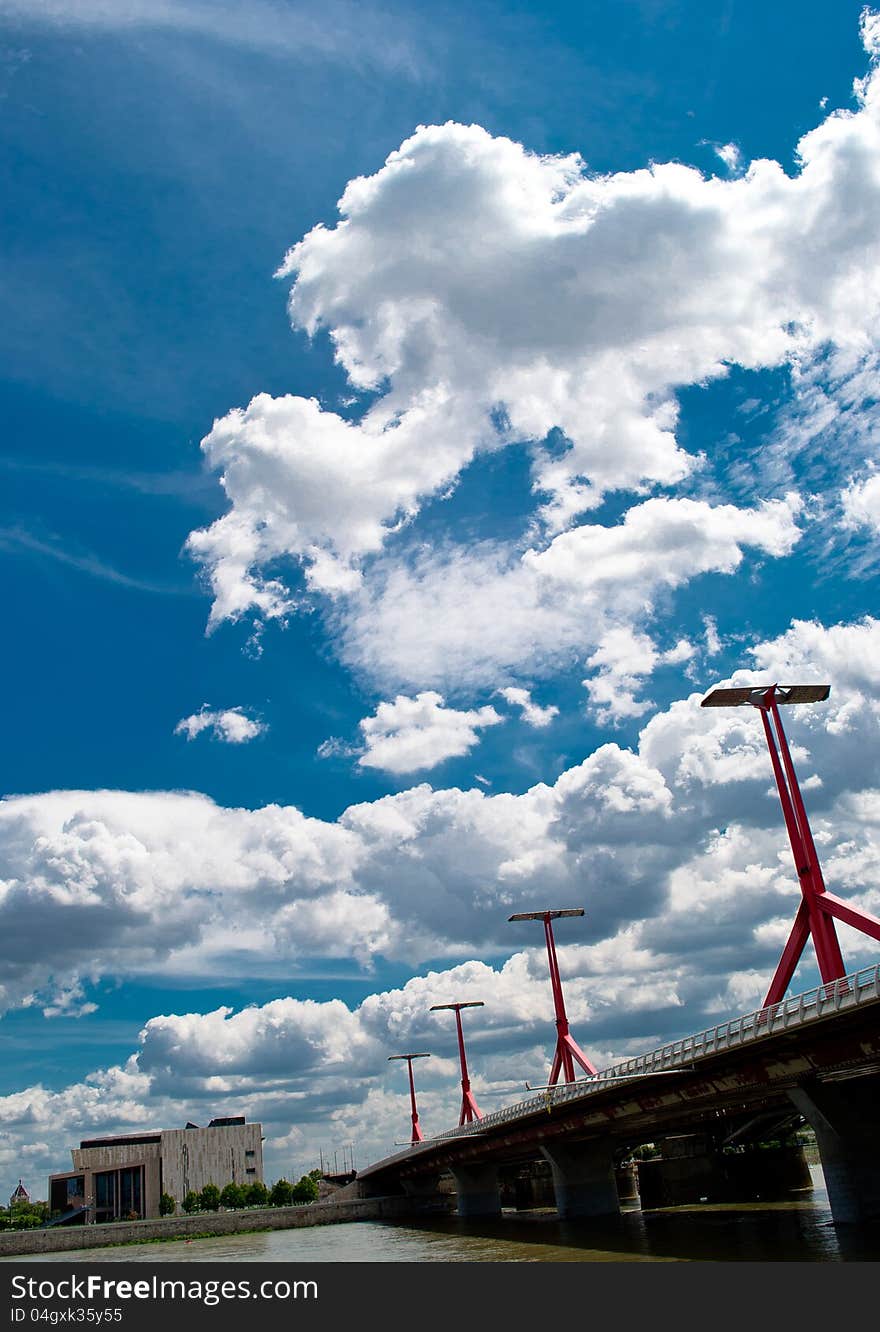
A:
[106,1192]
[250,1170]
[119,1194]
[250,1153]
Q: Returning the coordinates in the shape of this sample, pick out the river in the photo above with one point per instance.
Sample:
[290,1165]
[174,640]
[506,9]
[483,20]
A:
[797,1230]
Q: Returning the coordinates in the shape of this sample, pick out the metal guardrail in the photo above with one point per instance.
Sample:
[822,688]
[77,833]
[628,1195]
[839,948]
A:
[849,992]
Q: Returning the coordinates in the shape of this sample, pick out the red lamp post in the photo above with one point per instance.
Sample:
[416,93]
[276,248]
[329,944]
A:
[567,1048]
[469,1108]
[818,908]
[417,1135]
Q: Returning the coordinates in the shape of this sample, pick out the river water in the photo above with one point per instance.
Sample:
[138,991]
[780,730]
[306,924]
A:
[798,1230]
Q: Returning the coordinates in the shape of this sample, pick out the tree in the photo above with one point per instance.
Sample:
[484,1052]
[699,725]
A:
[191,1202]
[167,1205]
[232,1196]
[305,1190]
[26,1215]
[282,1193]
[257,1194]
[209,1198]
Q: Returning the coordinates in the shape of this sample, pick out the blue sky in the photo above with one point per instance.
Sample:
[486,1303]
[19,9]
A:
[407,419]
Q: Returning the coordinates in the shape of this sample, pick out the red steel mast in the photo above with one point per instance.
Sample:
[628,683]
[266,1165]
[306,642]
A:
[567,1048]
[417,1135]
[818,908]
[469,1108]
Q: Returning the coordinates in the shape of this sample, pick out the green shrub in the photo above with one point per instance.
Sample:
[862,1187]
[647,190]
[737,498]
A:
[306,1190]
[209,1198]
[281,1194]
[232,1196]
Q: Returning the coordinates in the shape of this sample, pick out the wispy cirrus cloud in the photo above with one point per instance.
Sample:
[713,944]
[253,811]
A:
[19,539]
[338,31]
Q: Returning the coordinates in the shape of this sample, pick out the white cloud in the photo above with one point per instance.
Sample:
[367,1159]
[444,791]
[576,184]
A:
[677,852]
[470,283]
[171,883]
[232,725]
[532,713]
[305,1069]
[70,1001]
[861,503]
[622,661]
[828,430]
[730,155]
[304,482]
[335,31]
[869,31]
[467,616]
[412,734]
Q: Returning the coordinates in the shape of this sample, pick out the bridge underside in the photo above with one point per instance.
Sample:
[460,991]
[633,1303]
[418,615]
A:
[828,1074]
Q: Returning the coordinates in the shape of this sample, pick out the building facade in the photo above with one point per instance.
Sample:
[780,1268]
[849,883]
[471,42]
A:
[123,1178]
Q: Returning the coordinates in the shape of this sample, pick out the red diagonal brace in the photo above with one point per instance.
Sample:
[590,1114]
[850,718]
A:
[815,915]
[469,1108]
[567,1049]
[417,1135]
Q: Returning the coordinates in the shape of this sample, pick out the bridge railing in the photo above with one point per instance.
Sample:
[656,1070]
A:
[848,992]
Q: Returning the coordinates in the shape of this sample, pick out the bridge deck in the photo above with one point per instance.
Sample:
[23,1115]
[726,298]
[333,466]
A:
[821,1002]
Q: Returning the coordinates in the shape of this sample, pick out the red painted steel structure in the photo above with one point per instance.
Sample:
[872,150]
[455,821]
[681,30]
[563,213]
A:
[567,1048]
[469,1108]
[818,908]
[417,1135]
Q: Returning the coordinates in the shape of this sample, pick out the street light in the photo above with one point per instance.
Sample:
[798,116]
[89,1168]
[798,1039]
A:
[818,908]
[469,1108]
[416,1131]
[567,1048]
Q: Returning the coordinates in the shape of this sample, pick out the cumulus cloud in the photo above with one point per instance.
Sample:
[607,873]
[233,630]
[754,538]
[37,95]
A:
[232,725]
[677,851]
[532,713]
[467,616]
[622,661]
[861,503]
[412,734]
[480,294]
[171,883]
[307,1069]
[304,482]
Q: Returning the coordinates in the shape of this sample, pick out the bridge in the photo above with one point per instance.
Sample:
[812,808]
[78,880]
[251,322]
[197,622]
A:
[815,1055]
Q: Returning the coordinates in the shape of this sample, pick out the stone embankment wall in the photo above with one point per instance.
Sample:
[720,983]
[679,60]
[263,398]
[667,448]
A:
[62,1238]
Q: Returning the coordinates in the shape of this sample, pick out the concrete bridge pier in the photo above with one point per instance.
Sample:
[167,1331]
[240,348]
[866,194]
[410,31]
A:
[845,1116]
[583,1179]
[477,1190]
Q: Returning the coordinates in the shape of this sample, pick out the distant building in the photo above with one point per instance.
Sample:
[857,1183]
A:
[19,1195]
[123,1178]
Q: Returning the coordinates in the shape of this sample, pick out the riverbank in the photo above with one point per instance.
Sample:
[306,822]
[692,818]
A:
[65,1238]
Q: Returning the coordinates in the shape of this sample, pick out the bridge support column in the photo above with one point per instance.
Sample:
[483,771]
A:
[583,1179]
[846,1120]
[477,1190]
